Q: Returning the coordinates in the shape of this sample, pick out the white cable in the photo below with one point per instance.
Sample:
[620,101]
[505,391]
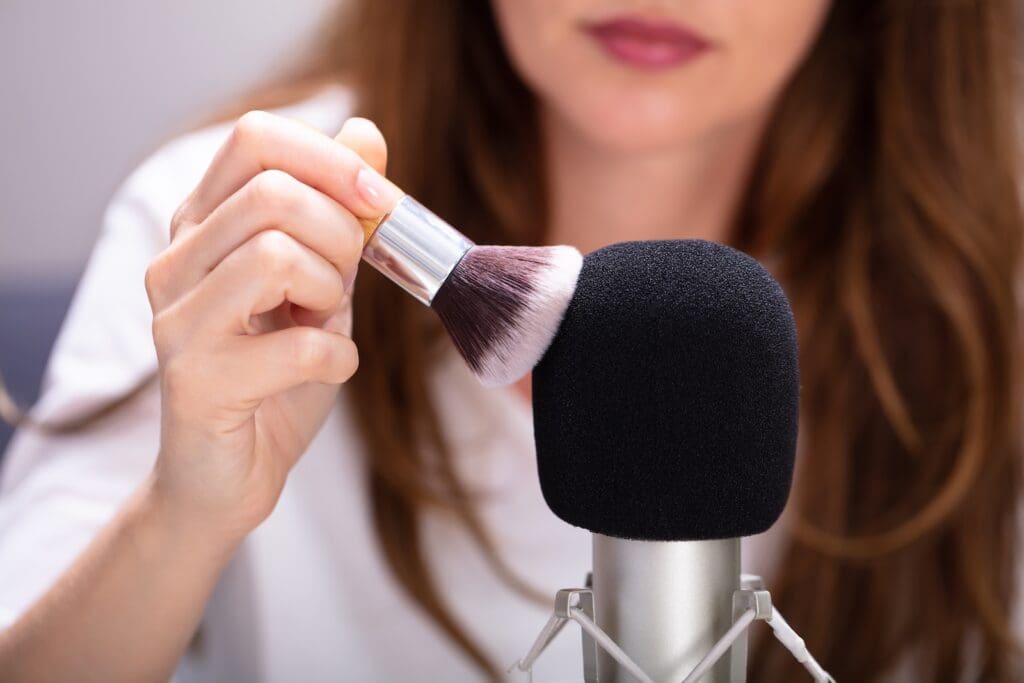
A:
[796,645]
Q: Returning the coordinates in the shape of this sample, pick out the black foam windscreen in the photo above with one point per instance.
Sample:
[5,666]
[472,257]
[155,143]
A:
[666,407]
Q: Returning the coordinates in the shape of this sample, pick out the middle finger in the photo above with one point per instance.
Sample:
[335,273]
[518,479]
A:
[272,200]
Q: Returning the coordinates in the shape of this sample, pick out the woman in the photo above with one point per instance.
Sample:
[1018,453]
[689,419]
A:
[866,151]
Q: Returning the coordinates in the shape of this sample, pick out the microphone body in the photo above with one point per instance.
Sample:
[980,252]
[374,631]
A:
[666,603]
[665,420]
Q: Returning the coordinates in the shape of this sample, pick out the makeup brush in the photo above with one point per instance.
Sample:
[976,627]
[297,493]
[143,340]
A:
[501,305]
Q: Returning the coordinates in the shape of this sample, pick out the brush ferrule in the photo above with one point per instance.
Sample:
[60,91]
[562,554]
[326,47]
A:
[415,249]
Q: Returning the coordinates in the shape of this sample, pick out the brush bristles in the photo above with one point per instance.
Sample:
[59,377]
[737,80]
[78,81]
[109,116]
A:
[502,306]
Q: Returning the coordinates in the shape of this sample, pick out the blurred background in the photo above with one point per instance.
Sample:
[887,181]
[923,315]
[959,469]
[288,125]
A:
[89,89]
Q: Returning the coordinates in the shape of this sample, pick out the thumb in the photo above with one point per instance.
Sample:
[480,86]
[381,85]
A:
[365,139]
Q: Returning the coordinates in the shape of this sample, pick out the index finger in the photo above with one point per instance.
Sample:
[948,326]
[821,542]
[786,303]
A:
[261,141]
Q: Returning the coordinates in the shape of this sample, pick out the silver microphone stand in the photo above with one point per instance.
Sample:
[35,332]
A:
[749,604]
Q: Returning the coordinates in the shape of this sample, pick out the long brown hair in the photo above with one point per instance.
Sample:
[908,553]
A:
[899,235]
[885,194]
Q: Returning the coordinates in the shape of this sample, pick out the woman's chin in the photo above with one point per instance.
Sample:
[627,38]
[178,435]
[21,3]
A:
[624,131]
[633,120]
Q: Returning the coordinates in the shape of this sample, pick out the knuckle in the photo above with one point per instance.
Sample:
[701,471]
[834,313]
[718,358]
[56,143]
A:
[179,219]
[157,278]
[163,332]
[250,127]
[312,352]
[275,252]
[153,280]
[274,190]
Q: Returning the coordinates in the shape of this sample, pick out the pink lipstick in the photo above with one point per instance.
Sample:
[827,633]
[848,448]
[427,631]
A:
[647,44]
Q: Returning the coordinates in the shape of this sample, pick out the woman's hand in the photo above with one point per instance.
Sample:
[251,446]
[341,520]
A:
[251,322]
[252,316]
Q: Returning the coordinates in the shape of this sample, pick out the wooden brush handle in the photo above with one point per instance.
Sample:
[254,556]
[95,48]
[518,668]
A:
[369,226]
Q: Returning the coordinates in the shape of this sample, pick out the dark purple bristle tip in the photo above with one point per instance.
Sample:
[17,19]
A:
[502,306]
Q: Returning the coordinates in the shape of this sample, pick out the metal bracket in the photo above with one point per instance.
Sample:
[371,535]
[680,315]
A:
[567,601]
[581,599]
[749,604]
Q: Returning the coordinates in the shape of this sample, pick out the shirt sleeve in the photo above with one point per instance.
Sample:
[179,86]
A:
[56,492]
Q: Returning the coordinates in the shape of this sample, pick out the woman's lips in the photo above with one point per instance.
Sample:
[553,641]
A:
[647,44]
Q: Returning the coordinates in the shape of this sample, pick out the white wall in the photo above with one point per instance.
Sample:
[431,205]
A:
[89,87]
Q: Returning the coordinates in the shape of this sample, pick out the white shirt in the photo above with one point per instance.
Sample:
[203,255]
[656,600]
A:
[308,597]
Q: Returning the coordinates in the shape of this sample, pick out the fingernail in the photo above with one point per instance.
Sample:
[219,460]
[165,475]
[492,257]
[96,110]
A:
[371,188]
[350,279]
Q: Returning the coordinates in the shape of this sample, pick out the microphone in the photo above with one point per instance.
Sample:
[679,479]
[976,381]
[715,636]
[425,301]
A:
[665,419]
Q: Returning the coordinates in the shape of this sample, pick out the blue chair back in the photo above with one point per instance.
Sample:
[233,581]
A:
[30,317]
